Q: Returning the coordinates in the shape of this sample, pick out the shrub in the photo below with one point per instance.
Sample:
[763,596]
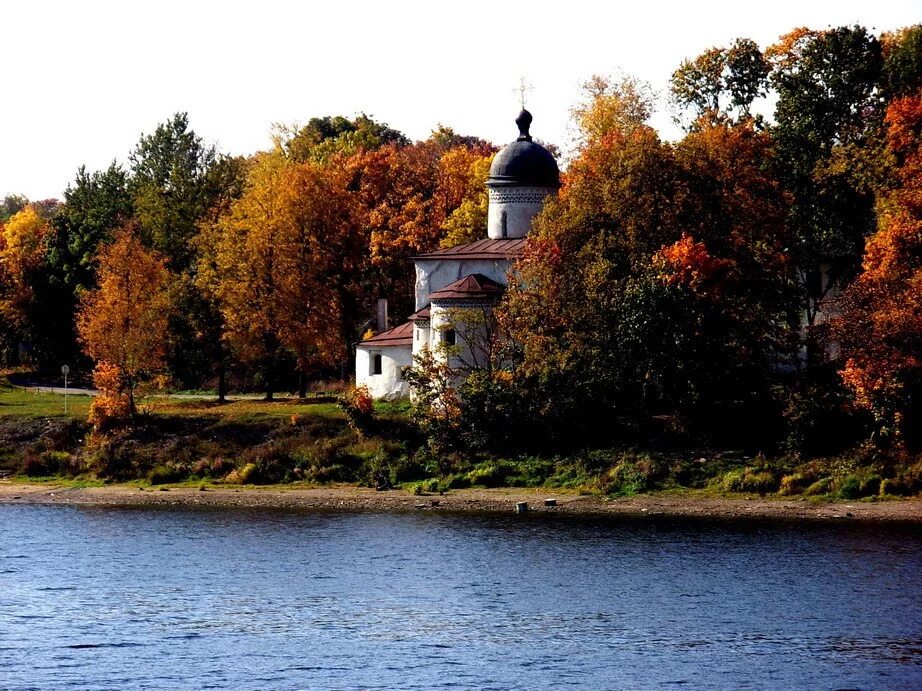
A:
[792,484]
[329,473]
[625,479]
[456,481]
[912,476]
[850,488]
[895,487]
[271,462]
[242,476]
[494,474]
[164,474]
[431,485]
[821,486]
[116,459]
[819,418]
[749,480]
[48,462]
[111,409]
[359,407]
[220,467]
[870,486]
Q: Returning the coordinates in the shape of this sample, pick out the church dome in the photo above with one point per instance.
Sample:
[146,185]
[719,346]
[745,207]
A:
[524,163]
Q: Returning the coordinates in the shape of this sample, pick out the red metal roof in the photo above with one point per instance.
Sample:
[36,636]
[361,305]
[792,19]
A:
[421,315]
[480,249]
[398,336]
[472,286]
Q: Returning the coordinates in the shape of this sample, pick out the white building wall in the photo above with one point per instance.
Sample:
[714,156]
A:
[389,384]
[470,338]
[512,209]
[422,334]
[435,274]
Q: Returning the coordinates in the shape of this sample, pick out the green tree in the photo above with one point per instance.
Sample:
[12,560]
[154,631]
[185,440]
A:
[903,61]
[323,138]
[828,122]
[722,83]
[95,204]
[12,204]
[173,186]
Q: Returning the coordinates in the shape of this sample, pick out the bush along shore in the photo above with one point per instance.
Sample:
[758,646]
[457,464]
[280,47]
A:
[331,441]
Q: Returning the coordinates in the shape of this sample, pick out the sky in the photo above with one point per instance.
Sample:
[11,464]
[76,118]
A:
[86,79]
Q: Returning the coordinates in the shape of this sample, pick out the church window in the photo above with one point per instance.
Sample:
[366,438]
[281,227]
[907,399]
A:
[376,363]
[450,337]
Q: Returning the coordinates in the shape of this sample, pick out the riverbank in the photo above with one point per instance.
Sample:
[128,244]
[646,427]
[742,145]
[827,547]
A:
[348,498]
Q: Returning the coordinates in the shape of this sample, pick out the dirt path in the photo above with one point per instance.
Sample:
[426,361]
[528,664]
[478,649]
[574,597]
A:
[471,500]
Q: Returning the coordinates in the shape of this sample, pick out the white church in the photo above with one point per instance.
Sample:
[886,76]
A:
[472,276]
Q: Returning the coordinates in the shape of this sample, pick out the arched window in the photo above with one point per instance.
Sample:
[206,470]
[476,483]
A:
[376,363]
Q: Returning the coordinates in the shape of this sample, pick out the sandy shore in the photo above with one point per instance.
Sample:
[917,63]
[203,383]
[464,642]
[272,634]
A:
[469,500]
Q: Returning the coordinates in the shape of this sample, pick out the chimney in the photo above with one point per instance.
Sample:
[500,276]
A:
[382,314]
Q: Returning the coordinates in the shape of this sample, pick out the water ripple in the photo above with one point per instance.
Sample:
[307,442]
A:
[108,598]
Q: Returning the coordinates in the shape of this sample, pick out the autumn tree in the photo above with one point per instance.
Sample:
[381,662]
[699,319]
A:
[733,201]
[467,221]
[880,326]
[656,284]
[123,322]
[278,264]
[610,104]
[565,316]
[406,195]
[23,246]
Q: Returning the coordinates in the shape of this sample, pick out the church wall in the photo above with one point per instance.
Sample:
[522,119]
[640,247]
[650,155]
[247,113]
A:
[435,274]
[421,336]
[470,339]
[512,209]
[390,383]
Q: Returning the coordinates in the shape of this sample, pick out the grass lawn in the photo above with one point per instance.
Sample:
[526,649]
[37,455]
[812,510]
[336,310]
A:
[26,404]
[242,411]
[31,405]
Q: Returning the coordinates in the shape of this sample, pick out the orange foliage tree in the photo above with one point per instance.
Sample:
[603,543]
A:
[657,282]
[280,261]
[409,196]
[123,323]
[880,327]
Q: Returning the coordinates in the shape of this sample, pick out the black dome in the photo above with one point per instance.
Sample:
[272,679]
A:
[523,162]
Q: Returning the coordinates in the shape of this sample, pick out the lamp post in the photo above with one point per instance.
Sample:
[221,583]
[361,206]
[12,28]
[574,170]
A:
[65,370]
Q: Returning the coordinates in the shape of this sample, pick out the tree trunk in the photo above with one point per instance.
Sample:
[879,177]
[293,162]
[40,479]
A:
[302,385]
[222,383]
[270,390]
[131,406]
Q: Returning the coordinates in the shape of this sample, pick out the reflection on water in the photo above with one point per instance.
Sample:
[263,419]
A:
[164,599]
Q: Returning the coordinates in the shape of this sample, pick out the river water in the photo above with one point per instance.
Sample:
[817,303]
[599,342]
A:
[144,598]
